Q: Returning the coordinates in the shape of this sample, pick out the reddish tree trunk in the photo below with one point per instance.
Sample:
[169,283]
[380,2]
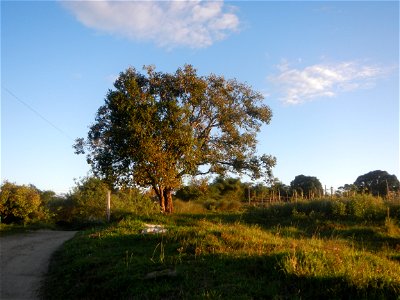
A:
[165,199]
[169,207]
[162,202]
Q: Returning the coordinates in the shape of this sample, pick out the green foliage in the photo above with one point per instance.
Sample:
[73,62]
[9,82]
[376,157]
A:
[391,226]
[366,207]
[308,186]
[229,189]
[359,208]
[88,202]
[155,128]
[377,183]
[132,201]
[20,204]
[223,194]
[339,209]
[62,208]
[189,192]
[89,199]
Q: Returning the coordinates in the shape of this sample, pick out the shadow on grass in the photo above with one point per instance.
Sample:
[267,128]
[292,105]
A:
[97,265]
[368,236]
[214,277]
[363,235]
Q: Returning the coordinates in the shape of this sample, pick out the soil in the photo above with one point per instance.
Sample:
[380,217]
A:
[25,259]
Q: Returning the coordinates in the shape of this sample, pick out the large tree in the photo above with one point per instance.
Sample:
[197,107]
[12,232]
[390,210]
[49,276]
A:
[377,183]
[309,186]
[155,128]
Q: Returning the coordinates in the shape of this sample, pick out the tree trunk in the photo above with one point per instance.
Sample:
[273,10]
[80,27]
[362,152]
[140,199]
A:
[169,207]
[162,202]
[165,199]
[160,194]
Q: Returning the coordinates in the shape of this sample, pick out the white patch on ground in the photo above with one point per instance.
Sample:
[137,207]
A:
[151,228]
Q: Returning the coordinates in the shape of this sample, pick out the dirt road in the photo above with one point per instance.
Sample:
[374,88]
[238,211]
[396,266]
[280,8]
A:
[24,261]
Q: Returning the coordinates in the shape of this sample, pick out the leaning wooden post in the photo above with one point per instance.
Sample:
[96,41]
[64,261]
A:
[387,189]
[108,205]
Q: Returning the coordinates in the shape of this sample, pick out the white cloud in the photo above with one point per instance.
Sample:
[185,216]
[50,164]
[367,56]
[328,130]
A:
[323,80]
[194,24]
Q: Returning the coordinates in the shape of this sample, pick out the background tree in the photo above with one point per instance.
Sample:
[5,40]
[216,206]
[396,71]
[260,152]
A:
[197,188]
[307,186]
[377,183]
[155,128]
[226,188]
[347,190]
[282,189]
[89,200]
[19,203]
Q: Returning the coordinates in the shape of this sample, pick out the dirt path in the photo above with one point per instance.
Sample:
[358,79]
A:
[24,261]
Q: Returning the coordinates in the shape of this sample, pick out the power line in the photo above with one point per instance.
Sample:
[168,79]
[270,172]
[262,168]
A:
[37,113]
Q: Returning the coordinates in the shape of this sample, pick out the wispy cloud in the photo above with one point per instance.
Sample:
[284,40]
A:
[324,80]
[169,24]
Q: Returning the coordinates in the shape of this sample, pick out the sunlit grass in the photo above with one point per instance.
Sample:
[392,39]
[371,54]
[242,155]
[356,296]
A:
[231,256]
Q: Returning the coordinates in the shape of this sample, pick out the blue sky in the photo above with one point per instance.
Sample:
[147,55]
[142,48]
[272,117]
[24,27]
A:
[328,70]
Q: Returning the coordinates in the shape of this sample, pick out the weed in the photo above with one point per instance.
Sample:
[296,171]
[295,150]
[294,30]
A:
[391,227]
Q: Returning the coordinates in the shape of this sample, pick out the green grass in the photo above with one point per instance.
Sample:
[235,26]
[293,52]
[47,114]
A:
[242,255]
[9,229]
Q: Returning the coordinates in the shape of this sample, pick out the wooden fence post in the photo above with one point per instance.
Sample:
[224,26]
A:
[108,205]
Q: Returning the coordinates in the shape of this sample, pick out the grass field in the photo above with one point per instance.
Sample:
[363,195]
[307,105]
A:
[309,250]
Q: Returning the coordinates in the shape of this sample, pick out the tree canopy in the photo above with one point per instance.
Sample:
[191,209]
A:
[155,128]
[19,203]
[377,183]
[307,185]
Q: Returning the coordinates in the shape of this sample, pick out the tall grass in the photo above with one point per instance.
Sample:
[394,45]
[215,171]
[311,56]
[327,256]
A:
[359,208]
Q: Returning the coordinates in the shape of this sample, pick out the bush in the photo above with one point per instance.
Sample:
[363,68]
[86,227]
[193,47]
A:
[132,201]
[338,209]
[357,208]
[225,205]
[20,204]
[366,207]
[210,204]
[89,200]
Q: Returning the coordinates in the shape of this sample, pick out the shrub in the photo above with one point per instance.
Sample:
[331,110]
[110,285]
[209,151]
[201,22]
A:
[20,204]
[210,204]
[89,200]
[338,209]
[132,201]
[366,207]
[225,205]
